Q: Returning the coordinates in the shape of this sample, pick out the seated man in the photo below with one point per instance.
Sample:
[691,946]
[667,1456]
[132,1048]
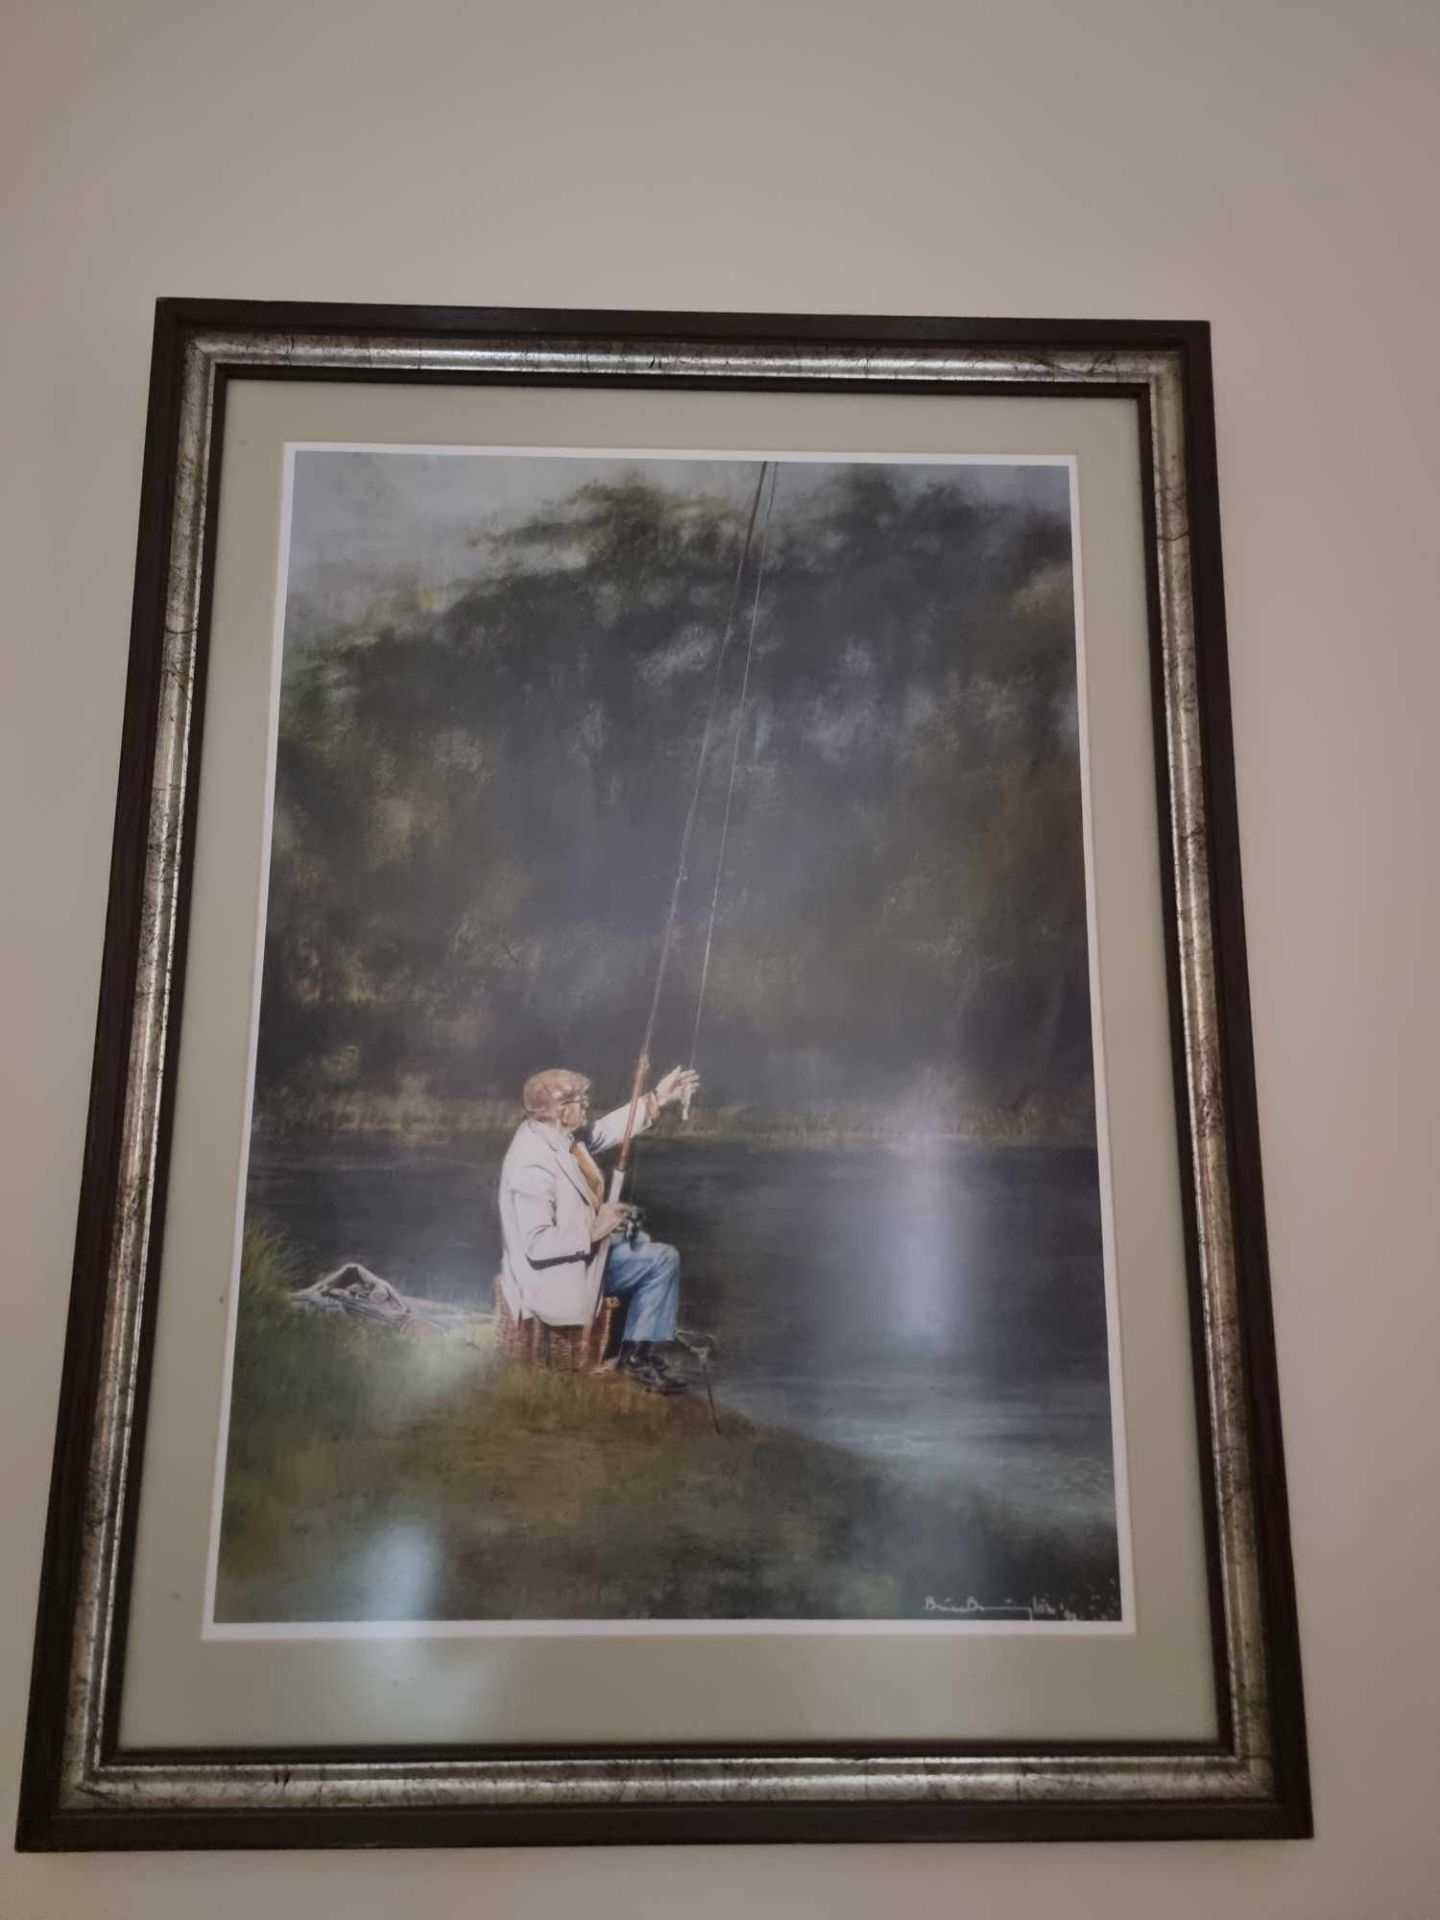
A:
[564,1241]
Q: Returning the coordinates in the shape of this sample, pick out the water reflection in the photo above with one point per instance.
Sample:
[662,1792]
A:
[926,1269]
[927,1304]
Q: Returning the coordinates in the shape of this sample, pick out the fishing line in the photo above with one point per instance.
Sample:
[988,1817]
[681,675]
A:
[642,1064]
[734,764]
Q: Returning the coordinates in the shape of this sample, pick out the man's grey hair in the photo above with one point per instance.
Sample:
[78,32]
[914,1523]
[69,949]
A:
[545,1093]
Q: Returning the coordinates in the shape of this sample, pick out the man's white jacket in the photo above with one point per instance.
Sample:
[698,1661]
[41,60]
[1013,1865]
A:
[550,1270]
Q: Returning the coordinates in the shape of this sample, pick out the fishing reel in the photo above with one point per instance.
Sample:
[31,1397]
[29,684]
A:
[634,1226]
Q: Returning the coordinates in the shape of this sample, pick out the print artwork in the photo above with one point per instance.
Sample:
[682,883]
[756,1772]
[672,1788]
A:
[675,1175]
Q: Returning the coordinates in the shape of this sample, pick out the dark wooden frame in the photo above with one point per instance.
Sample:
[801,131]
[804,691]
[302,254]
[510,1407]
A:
[44,1823]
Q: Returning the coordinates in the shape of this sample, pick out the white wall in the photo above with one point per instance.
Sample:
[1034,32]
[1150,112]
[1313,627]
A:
[1269,166]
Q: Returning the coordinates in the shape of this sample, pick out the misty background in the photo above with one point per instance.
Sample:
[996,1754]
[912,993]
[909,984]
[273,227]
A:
[496,675]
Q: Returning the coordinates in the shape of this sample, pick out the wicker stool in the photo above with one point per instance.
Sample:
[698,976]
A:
[562,1349]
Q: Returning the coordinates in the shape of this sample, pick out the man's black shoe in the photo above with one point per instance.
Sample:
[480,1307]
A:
[640,1362]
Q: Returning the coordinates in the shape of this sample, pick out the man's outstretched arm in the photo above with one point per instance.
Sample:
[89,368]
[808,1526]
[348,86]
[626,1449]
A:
[609,1129]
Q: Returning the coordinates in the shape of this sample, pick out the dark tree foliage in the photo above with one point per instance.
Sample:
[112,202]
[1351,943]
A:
[479,805]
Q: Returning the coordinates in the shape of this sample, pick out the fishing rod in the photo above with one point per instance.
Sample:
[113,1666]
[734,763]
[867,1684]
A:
[642,1063]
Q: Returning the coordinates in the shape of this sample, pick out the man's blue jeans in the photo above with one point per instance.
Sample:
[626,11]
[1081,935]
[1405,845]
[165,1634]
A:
[645,1274]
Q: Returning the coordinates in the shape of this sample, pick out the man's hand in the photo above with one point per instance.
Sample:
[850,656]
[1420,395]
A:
[681,1083]
[610,1216]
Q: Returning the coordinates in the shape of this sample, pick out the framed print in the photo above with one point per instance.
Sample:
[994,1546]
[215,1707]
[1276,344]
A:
[671,1244]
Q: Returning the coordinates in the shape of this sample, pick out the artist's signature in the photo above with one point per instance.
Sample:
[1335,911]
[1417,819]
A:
[974,1609]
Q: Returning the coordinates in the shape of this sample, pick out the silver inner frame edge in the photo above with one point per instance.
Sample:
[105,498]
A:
[1242,1772]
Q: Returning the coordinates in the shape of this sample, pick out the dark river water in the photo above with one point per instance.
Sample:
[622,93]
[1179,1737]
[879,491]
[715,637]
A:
[939,1306]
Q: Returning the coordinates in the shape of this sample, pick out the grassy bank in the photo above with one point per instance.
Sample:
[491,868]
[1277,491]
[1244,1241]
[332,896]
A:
[373,1475]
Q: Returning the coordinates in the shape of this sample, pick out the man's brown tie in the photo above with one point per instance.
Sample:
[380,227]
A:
[581,1155]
